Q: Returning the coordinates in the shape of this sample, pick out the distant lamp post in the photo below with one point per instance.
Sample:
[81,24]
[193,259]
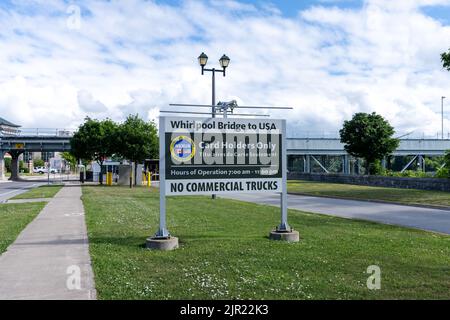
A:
[442,116]
[224,63]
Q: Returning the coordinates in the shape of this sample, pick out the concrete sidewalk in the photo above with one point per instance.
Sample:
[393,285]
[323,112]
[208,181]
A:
[47,257]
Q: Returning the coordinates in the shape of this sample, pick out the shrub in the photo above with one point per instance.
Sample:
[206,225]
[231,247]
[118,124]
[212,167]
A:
[8,164]
[443,173]
[39,163]
[408,174]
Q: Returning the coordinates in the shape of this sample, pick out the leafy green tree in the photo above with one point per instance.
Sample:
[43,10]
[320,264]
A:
[8,164]
[447,158]
[137,140]
[445,58]
[70,158]
[369,136]
[38,163]
[95,140]
[445,170]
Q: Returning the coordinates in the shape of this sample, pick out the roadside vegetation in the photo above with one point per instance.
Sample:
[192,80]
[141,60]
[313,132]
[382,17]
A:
[395,195]
[14,218]
[225,253]
[134,140]
[40,192]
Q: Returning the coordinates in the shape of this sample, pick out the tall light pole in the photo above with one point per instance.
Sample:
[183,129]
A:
[224,63]
[442,116]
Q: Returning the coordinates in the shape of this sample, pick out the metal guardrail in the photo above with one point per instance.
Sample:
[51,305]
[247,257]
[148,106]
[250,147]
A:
[41,132]
[335,135]
[63,132]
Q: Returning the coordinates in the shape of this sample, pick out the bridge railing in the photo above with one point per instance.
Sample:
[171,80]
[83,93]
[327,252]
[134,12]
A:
[45,132]
[335,135]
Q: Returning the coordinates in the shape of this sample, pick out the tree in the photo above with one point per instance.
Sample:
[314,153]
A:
[368,136]
[445,58]
[38,163]
[447,163]
[444,170]
[95,140]
[70,158]
[137,140]
[8,164]
[447,158]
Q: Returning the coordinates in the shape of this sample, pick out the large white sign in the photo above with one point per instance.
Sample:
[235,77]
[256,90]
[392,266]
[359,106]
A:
[219,156]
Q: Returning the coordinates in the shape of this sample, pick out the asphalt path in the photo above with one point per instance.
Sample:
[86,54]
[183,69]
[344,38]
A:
[9,189]
[437,220]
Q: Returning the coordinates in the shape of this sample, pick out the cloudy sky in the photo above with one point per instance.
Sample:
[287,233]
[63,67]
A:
[63,60]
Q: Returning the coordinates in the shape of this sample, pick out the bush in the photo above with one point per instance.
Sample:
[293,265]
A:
[408,174]
[377,169]
[38,163]
[443,173]
[8,164]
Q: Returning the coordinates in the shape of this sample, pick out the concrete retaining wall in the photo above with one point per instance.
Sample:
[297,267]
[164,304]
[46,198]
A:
[376,181]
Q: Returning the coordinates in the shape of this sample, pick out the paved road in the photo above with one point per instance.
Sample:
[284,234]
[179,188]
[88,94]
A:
[50,258]
[414,217]
[10,189]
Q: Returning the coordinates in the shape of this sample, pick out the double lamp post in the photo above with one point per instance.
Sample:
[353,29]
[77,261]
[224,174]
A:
[224,63]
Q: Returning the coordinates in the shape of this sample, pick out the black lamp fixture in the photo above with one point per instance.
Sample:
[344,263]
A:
[224,63]
[203,60]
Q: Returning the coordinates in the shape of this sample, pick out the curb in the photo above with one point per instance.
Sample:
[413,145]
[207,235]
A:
[444,208]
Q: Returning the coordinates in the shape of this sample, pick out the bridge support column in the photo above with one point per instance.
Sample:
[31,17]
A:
[346,164]
[308,163]
[2,165]
[15,164]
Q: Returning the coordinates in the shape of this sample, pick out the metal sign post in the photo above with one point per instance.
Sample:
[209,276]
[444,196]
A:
[284,226]
[284,231]
[162,239]
[162,231]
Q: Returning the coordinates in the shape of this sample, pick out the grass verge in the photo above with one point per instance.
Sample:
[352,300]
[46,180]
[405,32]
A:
[402,196]
[225,252]
[14,218]
[39,192]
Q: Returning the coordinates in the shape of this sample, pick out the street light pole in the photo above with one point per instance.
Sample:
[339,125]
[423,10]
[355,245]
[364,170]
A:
[224,63]
[442,116]
[213,92]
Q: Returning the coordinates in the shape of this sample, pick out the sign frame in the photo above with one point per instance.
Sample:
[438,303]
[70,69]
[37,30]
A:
[163,232]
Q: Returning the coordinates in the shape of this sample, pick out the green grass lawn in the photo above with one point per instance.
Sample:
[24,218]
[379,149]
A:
[40,192]
[225,253]
[405,196]
[14,218]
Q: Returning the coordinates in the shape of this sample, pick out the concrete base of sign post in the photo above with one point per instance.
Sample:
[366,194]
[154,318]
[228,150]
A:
[163,244]
[289,236]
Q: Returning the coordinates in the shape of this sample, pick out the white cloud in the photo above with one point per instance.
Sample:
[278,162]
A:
[137,56]
[87,102]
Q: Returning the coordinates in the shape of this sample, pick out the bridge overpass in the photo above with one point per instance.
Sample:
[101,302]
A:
[307,154]
[31,140]
[328,154]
